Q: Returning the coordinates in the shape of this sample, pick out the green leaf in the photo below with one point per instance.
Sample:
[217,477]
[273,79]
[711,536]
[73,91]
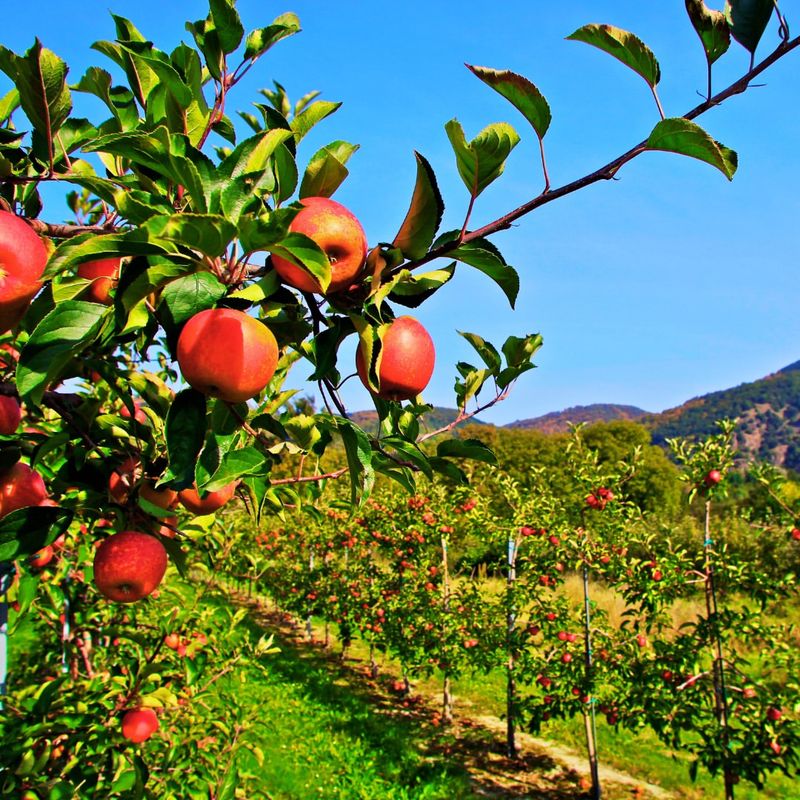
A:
[712,27]
[208,233]
[119,100]
[679,135]
[411,289]
[311,115]
[748,20]
[8,105]
[238,464]
[227,23]
[448,468]
[259,41]
[482,160]
[168,77]
[185,297]
[41,78]
[326,170]
[485,350]
[359,459]
[521,93]
[466,448]
[484,256]
[624,46]
[258,156]
[519,351]
[27,530]
[185,431]
[305,252]
[63,334]
[90,247]
[424,214]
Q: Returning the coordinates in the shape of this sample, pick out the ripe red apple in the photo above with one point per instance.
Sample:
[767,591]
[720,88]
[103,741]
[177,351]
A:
[338,234]
[796,534]
[23,257]
[566,658]
[774,714]
[191,500]
[713,477]
[227,354]
[10,414]
[139,725]
[129,566]
[138,415]
[406,360]
[172,640]
[41,558]
[20,487]
[103,275]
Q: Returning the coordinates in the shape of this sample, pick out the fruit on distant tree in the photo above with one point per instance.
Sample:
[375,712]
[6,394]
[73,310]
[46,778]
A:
[774,714]
[406,360]
[23,257]
[227,354]
[192,500]
[139,724]
[713,477]
[172,640]
[796,534]
[10,414]
[129,566]
[138,415]
[338,234]
[20,487]
[103,275]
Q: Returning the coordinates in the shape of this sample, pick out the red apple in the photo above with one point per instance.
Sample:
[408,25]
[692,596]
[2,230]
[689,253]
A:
[41,558]
[227,354]
[796,534]
[406,360]
[23,257]
[172,640]
[10,414]
[162,498]
[139,725]
[129,566]
[338,234]
[103,275]
[713,477]
[138,415]
[774,714]
[191,500]
[20,487]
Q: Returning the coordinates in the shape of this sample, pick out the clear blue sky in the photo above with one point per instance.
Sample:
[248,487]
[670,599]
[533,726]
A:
[665,284]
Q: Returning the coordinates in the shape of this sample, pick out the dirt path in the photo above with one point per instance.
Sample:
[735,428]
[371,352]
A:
[544,770]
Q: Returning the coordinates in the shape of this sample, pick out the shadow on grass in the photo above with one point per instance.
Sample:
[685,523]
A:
[405,744]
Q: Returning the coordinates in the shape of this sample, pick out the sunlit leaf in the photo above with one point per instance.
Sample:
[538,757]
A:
[424,214]
[679,135]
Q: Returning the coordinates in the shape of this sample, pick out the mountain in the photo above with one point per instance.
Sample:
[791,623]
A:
[767,410]
[559,421]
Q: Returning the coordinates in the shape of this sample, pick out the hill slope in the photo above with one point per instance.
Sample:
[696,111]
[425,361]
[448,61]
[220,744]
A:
[767,410]
[559,421]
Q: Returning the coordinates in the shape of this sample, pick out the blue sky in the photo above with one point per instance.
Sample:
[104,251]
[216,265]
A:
[665,284]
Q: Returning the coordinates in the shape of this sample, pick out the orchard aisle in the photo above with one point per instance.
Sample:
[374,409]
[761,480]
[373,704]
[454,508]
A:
[370,735]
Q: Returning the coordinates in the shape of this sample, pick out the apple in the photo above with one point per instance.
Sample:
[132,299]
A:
[796,534]
[566,658]
[8,361]
[774,714]
[41,558]
[162,498]
[103,275]
[10,414]
[227,354]
[338,234]
[129,565]
[123,479]
[713,477]
[20,487]
[172,640]
[192,501]
[139,724]
[23,257]
[138,415]
[406,360]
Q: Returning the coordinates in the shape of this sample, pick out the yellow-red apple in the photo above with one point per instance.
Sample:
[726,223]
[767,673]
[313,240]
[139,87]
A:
[338,233]
[129,565]
[123,479]
[406,360]
[23,257]
[103,275]
[227,354]
[209,503]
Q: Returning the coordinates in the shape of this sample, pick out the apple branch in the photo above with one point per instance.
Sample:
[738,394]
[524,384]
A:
[606,172]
